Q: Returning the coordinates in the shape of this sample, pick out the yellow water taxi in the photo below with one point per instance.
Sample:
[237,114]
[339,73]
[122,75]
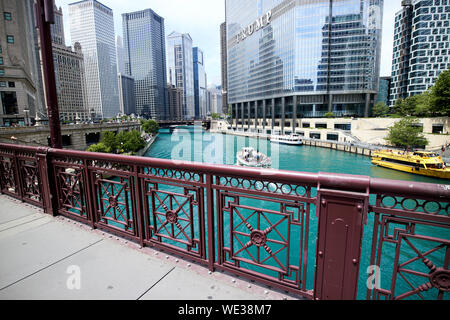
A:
[417,162]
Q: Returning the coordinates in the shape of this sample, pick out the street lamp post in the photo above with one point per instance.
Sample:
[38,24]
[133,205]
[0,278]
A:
[45,16]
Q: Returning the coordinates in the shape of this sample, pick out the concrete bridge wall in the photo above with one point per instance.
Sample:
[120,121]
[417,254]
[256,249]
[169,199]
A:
[74,136]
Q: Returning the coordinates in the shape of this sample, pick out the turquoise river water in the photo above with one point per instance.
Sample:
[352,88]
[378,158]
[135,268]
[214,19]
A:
[194,144]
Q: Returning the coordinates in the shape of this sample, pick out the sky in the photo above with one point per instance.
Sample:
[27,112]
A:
[202,19]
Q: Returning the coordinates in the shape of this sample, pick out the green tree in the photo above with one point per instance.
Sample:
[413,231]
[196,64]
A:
[440,92]
[422,104]
[109,139]
[329,115]
[130,141]
[380,109]
[99,147]
[150,126]
[405,133]
[215,116]
[405,107]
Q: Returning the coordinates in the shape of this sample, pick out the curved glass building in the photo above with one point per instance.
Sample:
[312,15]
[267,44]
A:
[290,59]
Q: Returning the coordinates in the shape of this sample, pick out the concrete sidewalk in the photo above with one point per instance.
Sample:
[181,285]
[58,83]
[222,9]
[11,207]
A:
[43,257]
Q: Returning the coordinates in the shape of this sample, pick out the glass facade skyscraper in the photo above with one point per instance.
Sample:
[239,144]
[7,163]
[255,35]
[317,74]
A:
[292,59]
[145,60]
[199,83]
[180,69]
[92,26]
[421,46]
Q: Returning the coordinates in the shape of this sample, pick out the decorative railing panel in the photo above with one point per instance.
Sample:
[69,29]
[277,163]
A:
[70,188]
[411,246]
[280,228]
[20,174]
[263,227]
[174,211]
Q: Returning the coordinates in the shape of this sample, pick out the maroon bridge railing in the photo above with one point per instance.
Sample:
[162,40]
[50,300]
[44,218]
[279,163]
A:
[314,235]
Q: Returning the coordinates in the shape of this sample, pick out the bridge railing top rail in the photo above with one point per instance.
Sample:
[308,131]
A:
[329,180]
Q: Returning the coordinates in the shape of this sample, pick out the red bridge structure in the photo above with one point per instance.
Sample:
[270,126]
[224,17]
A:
[314,235]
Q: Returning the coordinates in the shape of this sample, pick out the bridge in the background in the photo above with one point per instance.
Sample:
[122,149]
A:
[75,136]
[171,123]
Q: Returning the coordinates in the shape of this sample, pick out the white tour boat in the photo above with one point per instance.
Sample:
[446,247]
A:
[293,139]
[250,158]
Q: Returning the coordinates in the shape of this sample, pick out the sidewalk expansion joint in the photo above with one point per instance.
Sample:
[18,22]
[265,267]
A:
[20,224]
[155,283]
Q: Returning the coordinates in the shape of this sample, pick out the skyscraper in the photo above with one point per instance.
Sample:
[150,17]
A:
[199,83]
[181,69]
[223,55]
[69,74]
[92,25]
[120,55]
[287,60]
[215,100]
[21,94]
[145,60]
[421,46]
[384,90]
[127,96]
[175,102]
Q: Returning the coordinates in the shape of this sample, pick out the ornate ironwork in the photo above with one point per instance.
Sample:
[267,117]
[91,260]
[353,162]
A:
[115,204]
[70,188]
[31,186]
[415,233]
[7,170]
[253,223]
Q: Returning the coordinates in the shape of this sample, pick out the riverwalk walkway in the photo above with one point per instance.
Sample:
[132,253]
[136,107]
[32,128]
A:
[45,257]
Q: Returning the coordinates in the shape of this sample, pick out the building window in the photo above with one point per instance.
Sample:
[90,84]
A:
[438,128]
[2,84]
[11,84]
[9,101]
[10,39]
[1,60]
[8,16]
[332,137]
[2,72]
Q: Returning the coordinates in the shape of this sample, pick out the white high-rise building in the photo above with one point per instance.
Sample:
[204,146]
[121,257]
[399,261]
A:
[421,47]
[92,25]
[180,69]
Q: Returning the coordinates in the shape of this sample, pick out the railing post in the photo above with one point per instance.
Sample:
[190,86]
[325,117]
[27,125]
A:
[210,221]
[342,215]
[89,190]
[139,194]
[48,191]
